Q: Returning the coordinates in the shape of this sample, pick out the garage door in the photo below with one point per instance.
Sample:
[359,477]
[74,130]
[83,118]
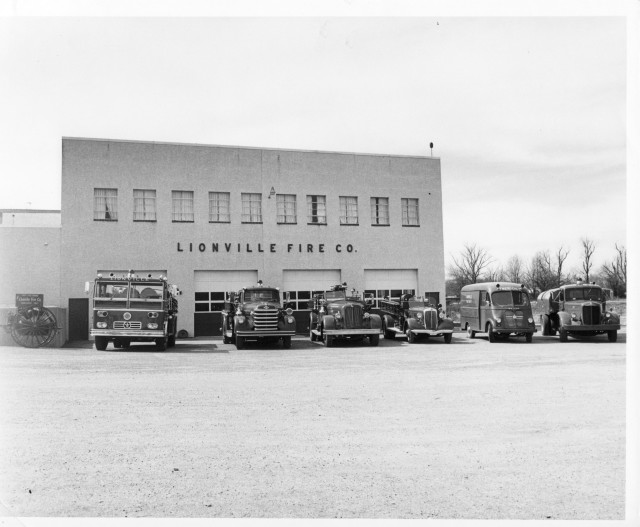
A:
[211,292]
[381,283]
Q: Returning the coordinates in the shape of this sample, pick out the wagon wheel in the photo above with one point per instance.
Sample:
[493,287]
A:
[34,327]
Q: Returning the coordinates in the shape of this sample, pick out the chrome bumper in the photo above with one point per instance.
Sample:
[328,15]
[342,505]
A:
[593,327]
[262,333]
[431,331]
[129,333]
[351,331]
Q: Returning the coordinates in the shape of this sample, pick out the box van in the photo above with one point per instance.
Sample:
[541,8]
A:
[498,309]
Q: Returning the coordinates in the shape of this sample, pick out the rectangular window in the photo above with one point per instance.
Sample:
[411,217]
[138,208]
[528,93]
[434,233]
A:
[251,208]
[144,205]
[379,211]
[348,210]
[182,201]
[286,205]
[317,210]
[219,211]
[410,211]
[105,204]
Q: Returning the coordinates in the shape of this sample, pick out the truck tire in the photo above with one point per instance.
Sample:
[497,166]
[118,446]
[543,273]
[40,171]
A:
[492,334]
[529,337]
[171,341]
[411,337]
[563,335]
[612,336]
[389,335]
[328,341]
[102,343]
[161,344]
[374,340]
[470,333]
[286,342]
[239,342]
[448,337]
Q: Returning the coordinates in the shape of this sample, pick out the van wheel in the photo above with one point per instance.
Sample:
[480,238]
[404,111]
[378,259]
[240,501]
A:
[492,334]
[470,333]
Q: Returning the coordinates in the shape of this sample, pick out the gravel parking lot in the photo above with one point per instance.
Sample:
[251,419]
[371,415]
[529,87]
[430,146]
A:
[428,430]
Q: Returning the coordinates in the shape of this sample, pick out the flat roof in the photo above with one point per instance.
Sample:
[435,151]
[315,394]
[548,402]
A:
[168,143]
[32,211]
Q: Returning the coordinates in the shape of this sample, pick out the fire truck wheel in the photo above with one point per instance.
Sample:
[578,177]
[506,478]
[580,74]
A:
[239,342]
[389,335]
[612,336]
[161,344]
[470,333]
[374,340]
[312,336]
[101,343]
[286,342]
[328,340]
[226,340]
[171,341]
[563,335]
[545,325]
[447,338]
[411,338]
[529,337]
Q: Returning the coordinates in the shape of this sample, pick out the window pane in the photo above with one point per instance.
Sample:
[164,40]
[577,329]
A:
[252,208]
[410,211]
[105,204]
[348,210]
[379,211]
[286,208]
[182,202]
[317,209]
[219,208]
[144,205]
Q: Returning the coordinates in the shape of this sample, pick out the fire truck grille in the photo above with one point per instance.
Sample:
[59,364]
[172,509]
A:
[590,315]
[513,319]
[353,316]
[127,324]
[430,319]
[266,319]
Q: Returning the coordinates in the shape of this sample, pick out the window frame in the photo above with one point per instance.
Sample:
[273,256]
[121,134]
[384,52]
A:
[318,204]
[375,211]
[345,215]
[248,217]
[175,198]
[113,213]
[406,209]
[283,216]
[219,213]
[151,216]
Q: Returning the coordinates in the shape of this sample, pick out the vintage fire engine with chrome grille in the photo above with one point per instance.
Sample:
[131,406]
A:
[414,317]
[336,314]
[578,309]
[130,308]
[257,313]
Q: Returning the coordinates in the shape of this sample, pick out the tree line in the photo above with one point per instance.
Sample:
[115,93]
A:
[545,270]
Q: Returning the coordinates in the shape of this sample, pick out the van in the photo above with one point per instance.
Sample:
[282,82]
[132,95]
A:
[498,309]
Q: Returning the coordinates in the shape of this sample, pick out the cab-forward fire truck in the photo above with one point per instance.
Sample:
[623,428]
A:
[131,308]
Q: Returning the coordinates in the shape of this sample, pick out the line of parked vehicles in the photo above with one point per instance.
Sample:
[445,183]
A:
[131,308]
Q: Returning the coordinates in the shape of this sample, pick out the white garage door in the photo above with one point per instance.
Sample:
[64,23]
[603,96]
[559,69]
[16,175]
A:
[302,284]
[392,283]
[211,287]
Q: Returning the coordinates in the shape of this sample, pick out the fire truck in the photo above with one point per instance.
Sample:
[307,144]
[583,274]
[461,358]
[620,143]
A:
[130,308]
[338,315]
[414,317]
[256,313]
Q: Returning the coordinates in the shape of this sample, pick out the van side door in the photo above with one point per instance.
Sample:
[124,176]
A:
[469,309]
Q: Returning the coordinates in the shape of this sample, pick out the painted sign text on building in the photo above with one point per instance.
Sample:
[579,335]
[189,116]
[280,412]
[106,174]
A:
[216,247]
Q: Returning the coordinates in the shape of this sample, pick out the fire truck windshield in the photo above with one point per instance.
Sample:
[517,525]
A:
[261,295]
[116,294]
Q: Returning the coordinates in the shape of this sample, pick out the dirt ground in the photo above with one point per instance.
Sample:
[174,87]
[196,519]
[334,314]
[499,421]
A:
[428,430]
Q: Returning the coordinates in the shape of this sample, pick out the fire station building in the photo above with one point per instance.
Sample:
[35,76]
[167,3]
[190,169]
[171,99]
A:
[218,218]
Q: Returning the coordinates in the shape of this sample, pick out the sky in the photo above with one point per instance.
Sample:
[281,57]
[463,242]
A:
[529,115]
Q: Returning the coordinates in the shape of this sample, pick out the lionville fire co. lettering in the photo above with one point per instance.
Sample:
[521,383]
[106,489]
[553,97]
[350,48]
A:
[234,247]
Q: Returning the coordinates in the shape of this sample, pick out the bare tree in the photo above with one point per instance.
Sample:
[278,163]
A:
[493,274]
[545,271]
[615,272]
[588,248]
[468,267]
[514,272]
[561,256]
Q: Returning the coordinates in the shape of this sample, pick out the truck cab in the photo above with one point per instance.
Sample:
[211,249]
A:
[257,313]
[415,318]
[497,309]
[578,309]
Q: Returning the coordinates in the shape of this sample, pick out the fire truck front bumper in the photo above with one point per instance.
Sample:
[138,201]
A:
[263,333]
[127,333]
[432,332]
[351,331]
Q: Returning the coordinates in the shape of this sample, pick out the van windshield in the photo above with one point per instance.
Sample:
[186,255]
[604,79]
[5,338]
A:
[510,298]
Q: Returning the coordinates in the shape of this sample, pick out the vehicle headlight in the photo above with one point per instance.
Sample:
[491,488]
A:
[608,315]
[102,313]
[152,314]
[441,315]
[291,320]
[338,315]
[419,316]
[101,325]
[498,320]
[574,316]
[241,319]
[152,325]
[530,320]
[367,315]
[289,311]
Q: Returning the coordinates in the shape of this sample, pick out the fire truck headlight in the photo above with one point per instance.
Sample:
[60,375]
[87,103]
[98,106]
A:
[152,325]
[608,315]
[441,315]
[102,313]
[530,320]
[289,311]
[367,315]
[101,325]
[241,320]
[574,316]
[290,320]
[152,314]
[419,316]
[338,315]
